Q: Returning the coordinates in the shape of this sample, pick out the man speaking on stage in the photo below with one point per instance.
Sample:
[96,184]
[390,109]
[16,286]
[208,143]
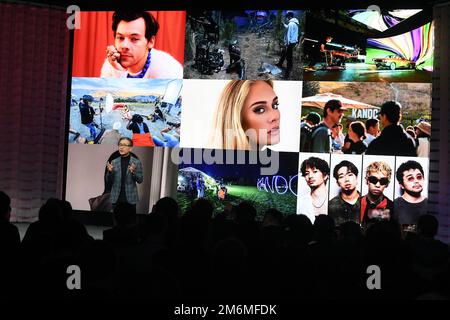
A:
[123,173]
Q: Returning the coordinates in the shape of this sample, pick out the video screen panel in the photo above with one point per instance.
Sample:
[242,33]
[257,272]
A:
[411,51]
[237,176]
[336,48]
[125,101]
[216,115]
[246,44]
[101,52]
[146,110]
[243,92]
[381,20]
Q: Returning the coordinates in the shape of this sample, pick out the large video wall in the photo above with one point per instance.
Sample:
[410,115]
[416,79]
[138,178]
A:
[295,110]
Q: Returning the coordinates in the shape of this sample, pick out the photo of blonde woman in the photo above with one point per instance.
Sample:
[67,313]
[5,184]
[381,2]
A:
[242,115]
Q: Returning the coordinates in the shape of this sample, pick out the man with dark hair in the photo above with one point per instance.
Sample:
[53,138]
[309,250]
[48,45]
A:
[321,137]
[393,140]
[133,54]
[346,206]
[412,204]
[316,173]
[372,129]
[123,173]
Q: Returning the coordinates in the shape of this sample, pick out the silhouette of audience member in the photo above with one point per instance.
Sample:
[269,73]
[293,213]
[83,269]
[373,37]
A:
[98,262]
[43,237]
[9,249]
[247,229]
[125,229]
[241,261]
[9,234]
[168,208]
[385,248]
[272,230]
[75,233]
[298,231]
[430,256]
[229,268]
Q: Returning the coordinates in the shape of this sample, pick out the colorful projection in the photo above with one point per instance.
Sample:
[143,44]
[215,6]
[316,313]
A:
[379,20]
[416,45]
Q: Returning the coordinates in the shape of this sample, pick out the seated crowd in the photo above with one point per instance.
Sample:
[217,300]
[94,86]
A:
[200,255]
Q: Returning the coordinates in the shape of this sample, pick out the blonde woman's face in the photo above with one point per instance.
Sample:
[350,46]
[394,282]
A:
[260,114]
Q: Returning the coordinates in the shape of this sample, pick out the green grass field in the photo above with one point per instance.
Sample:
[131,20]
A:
[260,199]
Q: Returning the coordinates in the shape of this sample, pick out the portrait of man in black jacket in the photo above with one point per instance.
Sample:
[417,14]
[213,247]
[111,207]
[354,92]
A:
[393,140]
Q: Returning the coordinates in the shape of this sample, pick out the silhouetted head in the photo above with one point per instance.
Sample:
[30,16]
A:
[66,209]
[273,217]
[350,230]
[298,229]
[5,206]
[124,214]
[51,211]
[245,212]
[428,225]
[202,208]
[324,227]
[167,207]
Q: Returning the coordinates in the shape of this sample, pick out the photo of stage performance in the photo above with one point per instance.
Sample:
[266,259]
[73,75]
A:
[146,110]
[347,117]
[250,44]
[375,46]
[226,185]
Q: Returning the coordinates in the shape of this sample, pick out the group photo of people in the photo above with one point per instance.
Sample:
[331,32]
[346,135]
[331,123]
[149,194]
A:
[366,118]
[104,110]
[363,189]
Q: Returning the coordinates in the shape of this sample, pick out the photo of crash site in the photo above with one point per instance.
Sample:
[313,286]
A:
[379,118]
[250,44]
[368,45]
[227,185]
[104,110]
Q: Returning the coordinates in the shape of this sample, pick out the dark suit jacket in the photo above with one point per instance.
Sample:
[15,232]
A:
[130,183]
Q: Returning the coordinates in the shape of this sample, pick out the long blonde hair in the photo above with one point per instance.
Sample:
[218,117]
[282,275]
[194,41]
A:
[227,131]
